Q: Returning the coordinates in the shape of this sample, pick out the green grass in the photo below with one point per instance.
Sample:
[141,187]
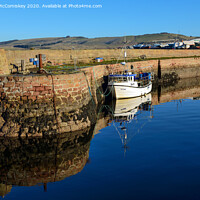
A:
[70,68]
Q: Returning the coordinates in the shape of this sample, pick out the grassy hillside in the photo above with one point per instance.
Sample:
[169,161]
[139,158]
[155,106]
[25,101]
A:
[90,43]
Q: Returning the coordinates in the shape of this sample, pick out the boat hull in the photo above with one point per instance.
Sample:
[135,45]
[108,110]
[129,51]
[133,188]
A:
[123,91]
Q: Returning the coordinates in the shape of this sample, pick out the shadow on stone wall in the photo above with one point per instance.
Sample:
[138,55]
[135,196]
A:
[43,118]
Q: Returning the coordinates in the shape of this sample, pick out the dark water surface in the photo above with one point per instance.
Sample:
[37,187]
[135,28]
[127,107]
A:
[146,152]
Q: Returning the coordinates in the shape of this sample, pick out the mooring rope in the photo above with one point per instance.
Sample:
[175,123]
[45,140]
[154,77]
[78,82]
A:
[54,99]
[104,94]
[89,89]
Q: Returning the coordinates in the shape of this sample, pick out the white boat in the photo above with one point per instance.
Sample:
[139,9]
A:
[129,85]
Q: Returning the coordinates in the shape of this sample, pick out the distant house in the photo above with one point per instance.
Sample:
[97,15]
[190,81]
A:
[197,40]
[190,42]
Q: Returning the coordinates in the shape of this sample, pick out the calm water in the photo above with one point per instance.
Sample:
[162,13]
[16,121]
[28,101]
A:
[146,152]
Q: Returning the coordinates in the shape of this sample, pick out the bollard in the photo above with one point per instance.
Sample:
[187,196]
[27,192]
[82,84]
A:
[40,71]
[40,62]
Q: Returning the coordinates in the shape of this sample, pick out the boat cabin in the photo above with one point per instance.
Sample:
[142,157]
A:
[122,77]
[129,77]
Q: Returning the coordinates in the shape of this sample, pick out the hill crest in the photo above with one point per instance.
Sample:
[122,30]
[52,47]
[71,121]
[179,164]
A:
[91,43]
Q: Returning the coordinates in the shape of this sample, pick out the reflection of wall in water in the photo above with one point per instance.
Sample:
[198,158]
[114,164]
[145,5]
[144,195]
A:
[27,162]
[5,189]
[184,88]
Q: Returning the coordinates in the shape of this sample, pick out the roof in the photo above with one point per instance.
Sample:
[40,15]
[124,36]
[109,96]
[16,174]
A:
[99,58]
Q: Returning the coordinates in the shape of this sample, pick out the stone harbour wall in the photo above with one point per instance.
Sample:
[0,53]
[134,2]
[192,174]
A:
[79,87]
[71,87]
[4,68]
[86,56]
[45,104]
[184,68]
[27,119]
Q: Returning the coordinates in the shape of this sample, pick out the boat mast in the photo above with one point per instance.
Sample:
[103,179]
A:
[125,49]
[125,54]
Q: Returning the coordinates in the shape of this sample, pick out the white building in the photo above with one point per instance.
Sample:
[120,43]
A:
[192,42]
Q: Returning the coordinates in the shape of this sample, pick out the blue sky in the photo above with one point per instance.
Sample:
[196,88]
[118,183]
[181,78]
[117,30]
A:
[115,18]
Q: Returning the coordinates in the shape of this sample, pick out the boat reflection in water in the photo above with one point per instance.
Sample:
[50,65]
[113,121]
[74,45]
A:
[130,115]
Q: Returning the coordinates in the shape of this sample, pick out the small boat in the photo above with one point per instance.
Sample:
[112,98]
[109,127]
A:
[129,85]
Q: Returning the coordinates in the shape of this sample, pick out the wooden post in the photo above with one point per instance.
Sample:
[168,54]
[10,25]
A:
[22,65]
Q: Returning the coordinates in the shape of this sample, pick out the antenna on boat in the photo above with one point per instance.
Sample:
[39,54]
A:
[122,50]
[125,54]
[125,41]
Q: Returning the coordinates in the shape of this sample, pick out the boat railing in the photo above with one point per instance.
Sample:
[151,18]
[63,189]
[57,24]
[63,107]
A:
[142,78]
[122,77]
